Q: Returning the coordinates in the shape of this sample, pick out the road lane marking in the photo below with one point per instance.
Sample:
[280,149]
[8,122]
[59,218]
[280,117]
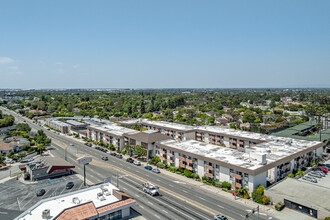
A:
[157,216]
[220,206]
[201,198]
[165,211]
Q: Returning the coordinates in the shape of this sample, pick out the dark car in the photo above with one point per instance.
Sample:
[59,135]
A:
[148,167]
[89,145]
[40,192]
[86,144]
[113,154]
[119,156]
[69,185]
[105,158]
[129,160]
[220,217]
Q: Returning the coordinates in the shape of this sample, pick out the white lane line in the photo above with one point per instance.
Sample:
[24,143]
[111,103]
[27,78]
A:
[170,185]
[137,171]
[165,211]
[147,175]
[150,203]
[184,191]
[158,179]
[124,188]
[201,198]
[157,216]
[220,206]
[141,206]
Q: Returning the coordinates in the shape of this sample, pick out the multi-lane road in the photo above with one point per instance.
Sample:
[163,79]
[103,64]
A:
[177,200]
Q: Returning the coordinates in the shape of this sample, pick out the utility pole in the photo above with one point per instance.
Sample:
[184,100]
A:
[84,174]
[19,205]
[65,153]
[258,212]
[117,179]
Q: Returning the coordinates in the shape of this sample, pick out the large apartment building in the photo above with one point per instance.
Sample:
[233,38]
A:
[239,157]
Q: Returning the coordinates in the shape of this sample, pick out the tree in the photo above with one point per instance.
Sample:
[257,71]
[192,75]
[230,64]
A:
[140,151]
[41,148]
[210,120]
[41,138]
[249,116]
[129,149]
[23,127]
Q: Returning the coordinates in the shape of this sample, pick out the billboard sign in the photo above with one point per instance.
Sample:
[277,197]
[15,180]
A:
[84,160]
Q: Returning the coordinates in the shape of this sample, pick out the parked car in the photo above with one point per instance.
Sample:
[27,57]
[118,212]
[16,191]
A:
[108,152]
[40,192]
[29,160]
[93,146]
[69,185]
[89,144]
[71,144]
[113,154]
[310,179]
[319,172]
[322,169]
[137,163]
[220,217]
[148,167]
[86,143]
[156,170]
[119,156]
[129,160]
[105,158]
[315,174]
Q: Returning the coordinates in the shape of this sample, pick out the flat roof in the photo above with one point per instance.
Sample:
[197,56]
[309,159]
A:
[273,151]
[75,123]
[58,204]
[164,124]
[304,193]
[114,129]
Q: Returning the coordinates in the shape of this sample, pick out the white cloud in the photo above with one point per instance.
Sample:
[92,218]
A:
[76,66]
[13,67]
[6,60]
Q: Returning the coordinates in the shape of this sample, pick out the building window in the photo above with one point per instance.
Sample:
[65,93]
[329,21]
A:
[112,216]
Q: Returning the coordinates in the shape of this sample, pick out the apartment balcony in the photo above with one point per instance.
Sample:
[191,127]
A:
[209,175]
[188,161]
[189,168]
[211,137]
[198,139]
[161,158]
[208,167]
[217,138]
[177,139]
[237,185]
[240,142]
[169,155]
[125,139]
[169,161]
[211,142]
[182,165]
[182,158]
[198,134]
[232,141]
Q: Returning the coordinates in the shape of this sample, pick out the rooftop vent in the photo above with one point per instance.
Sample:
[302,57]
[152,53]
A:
[45,214]
[75,200]
[100,196]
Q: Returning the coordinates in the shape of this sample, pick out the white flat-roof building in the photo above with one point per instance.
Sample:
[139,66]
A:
[103,201]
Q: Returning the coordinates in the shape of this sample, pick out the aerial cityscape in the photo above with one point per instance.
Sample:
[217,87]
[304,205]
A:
[164,110]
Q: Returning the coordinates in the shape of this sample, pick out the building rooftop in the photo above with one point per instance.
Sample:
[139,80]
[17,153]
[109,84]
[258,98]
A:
[164,124]
[79,204]
[250,158]
[149,137]
[75,123]
[304,193]
[114,129]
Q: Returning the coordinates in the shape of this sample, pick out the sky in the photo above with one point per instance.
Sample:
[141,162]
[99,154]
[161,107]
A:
[164,44]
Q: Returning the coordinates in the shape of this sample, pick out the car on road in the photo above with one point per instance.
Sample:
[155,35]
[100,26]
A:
[105,158]
[137,163]
[71,144]
[119,156]
[69,185]
[129,160]
[148,167]
[156,170]
[310,179]
[220,217]
[40,192]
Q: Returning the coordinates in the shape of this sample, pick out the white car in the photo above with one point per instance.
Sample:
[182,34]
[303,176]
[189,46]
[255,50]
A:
[137,163]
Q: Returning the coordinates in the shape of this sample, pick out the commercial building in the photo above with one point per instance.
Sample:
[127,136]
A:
[305,197]
[48,167]
[76,125]
[101,202]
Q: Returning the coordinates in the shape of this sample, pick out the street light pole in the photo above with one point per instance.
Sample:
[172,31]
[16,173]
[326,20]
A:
[84,174]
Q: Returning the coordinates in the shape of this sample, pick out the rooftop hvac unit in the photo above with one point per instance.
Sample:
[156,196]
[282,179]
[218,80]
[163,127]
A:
[45,214]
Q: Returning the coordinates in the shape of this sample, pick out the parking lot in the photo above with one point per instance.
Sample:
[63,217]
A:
[15,195]
[322,181]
